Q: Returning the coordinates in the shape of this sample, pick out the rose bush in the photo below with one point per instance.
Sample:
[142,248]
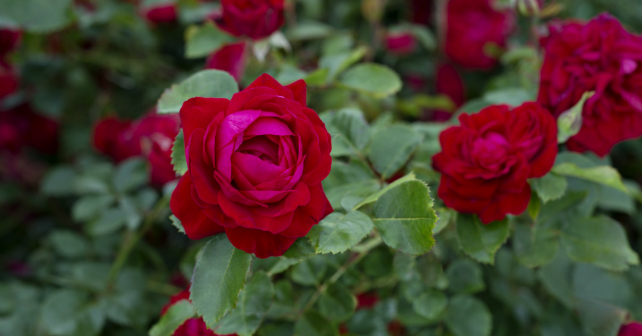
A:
[487,160]
[256,163]
[599,56]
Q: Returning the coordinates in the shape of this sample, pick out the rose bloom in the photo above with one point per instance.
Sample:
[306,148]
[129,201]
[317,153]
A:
[255,19]
[160,13]
[256,163]
[231,58]
[598,56]
[21,127]
[472,25]
[193,326]
[631,329]
[486,161]
[152,136]
[400,43]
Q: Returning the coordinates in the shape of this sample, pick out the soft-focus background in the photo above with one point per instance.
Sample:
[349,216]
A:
[86,243]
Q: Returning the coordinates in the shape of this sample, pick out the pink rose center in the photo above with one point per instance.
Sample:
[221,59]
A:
[262,147]
[490,151]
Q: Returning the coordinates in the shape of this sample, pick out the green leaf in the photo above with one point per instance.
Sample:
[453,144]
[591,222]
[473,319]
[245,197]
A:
[308,30]
[110,221]
[430,304]
[557,279]
[465,276]
[376,80]
[309,272]
[37,16]
[177,224]
[349,194]
[468,316]
[89,207]
[301,249]
[549,187]
[392,147]
[569,122]
[605,175]
[338,232]
[219,277]
[600,241]
[405,218]
[314,324]
[204,40]
[598,318]
[374,197]
[480,241]
[594,283]
[254,302]
[337,63]
[69,244]
[65,312]
[173,318]
[58,182]
[130,174]
[349,130]
[337,303]
[205,83]
[179,161]
[534,245]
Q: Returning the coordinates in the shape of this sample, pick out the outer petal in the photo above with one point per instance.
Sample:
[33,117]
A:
[197,225]
[199,112]
[230,58]
[311,214]
[269,81]
[106,134]
[299,90]
[262,243]
[504,204]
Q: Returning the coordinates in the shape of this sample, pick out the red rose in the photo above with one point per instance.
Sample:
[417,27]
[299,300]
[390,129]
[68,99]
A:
[193,326]
[21,127]
[255,167]
[485,162]
[449,83]
[471,26]
[151,136]
[255,19]
[231,58]
[161,13]
[8,80]
[599,56]
[400,43]
[631,329]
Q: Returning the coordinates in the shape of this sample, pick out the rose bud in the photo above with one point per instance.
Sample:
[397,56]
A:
[401,42]
[486,161]
[255,19]
[256,163]
[599,56]
[160,13]
[472,27]
[152,137]
[193,326]
[631,329]
[231,58]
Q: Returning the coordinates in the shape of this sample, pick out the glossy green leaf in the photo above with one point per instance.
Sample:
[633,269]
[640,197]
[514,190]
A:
[549,187]
[177,224]
[301,249]
[337,303]
[37,16]
[534,245]
[405,218]
[337,63]
[598,318]
[204,40]
[430,304]
[600,241]
[309,272]
[58,182]
[179,161]
[338,232]
[480,241]
[254,302]
[130,174]
[376,80]
[219,277]
[205,83]
[392,147]
[557,278]
[468,316]
[173,318]
[314,324]
[374,197]
[605,175]
[465,276]
[69,244]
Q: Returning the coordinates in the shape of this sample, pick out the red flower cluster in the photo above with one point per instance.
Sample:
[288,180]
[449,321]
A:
[598,56]
[9,39]
[255,19]
[151,136]
[255,167]
[193,326]
[485,162]
[631,329]
[473,25]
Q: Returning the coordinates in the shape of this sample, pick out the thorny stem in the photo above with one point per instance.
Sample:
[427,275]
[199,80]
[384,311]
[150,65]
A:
[361,250]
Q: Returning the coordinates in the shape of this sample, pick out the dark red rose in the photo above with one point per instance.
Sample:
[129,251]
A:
[152,136]
[8,80]
[231,58]
[422,11]
[20,127]
[599,56]
[255,167]
[401,43]
[631,329]
[486,161]
[473,25]
[160,13]
[193,326]
[9,39]
[255,19]
[367,300]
